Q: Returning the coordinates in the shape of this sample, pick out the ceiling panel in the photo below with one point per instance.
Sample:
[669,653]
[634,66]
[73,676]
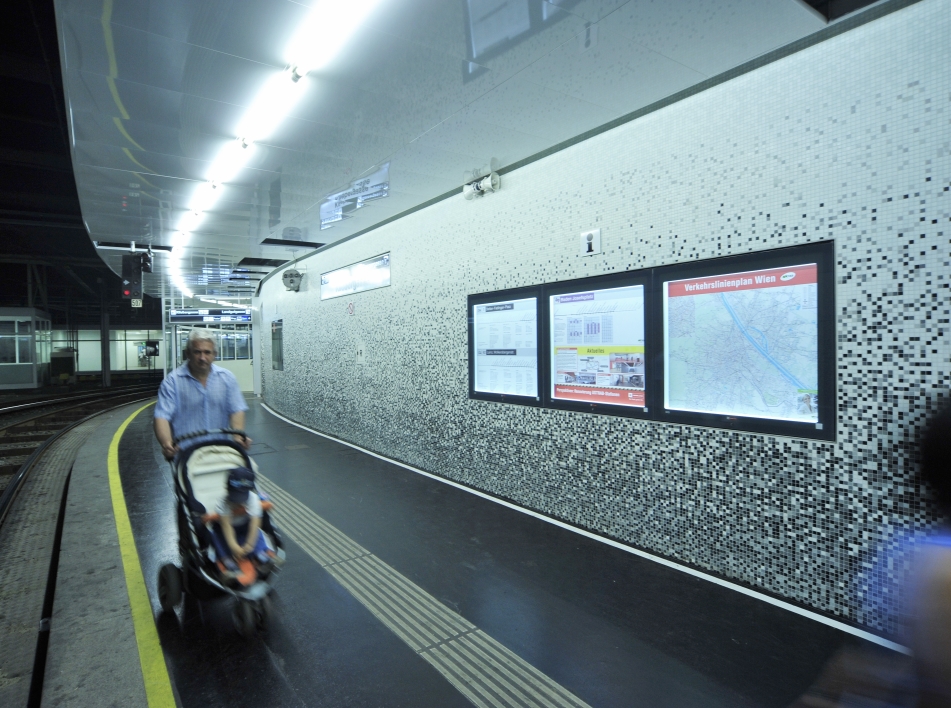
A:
[437,89]
[613,72]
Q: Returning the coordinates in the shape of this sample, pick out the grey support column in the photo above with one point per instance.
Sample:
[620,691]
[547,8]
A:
[104,336]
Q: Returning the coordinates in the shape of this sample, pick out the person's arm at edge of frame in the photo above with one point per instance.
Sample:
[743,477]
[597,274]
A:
[163,433]
[161,423]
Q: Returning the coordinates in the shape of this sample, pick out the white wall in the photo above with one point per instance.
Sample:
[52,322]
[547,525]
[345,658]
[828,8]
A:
[845,140]
[242,369]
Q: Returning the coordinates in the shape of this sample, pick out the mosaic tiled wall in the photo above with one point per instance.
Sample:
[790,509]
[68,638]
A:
[846,140]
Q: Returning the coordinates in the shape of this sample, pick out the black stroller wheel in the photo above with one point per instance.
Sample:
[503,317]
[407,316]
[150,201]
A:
[264,612]
[244,618]
[169,587]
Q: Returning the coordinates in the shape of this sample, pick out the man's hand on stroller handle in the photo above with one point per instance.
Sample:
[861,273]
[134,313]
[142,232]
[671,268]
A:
[163,433]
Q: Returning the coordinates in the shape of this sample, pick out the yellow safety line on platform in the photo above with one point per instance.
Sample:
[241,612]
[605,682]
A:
[158,686]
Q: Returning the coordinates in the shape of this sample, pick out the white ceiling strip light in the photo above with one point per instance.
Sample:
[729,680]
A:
[317,41]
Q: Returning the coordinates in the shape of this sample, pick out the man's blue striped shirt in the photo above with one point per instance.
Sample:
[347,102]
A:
[188,406]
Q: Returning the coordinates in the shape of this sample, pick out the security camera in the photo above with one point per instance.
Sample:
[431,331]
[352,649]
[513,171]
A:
[490,183]
[292,279]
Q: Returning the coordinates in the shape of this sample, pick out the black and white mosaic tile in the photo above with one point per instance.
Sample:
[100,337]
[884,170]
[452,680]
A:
[846,140]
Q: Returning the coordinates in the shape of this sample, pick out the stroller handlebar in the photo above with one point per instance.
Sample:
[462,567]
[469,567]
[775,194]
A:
[202,433]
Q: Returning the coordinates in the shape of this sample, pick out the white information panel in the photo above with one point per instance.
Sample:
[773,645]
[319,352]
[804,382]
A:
[506,347]
[744,344]
[597,346]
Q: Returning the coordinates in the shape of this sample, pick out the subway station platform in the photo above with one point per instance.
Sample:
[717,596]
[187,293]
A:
[399,590]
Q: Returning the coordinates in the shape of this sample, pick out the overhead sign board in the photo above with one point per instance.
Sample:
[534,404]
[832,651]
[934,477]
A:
[195,314]
[341,205]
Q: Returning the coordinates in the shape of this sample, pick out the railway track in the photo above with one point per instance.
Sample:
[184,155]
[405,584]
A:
[27,427]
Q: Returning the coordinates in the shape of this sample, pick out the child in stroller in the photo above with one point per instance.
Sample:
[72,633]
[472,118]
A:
[236,528]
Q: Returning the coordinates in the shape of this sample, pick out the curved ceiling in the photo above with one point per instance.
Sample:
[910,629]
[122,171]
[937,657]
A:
[414,97]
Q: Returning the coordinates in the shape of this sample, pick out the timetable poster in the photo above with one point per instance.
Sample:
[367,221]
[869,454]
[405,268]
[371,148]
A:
[744,344]
[506,347]
[597,346]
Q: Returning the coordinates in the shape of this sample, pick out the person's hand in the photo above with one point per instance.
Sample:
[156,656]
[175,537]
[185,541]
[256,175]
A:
[238,552]
[243,441]
[169,450]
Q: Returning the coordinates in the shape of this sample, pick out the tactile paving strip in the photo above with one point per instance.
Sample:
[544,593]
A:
[482,669]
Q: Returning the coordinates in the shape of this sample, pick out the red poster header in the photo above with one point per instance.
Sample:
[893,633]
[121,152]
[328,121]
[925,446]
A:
[751,280]
[598,394]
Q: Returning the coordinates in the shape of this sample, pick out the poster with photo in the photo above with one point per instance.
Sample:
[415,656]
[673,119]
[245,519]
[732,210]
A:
[597,346]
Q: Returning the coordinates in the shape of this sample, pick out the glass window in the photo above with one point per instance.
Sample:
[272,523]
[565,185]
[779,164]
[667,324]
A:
[277,345]
[25,326]
[242,350]
[25,349]
[7,327]
[227,346]
[90,356]
[8,353]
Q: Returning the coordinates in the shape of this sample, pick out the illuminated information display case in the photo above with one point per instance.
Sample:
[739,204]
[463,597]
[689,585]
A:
[503,346]
[743,342]
[749,341]
[597,338]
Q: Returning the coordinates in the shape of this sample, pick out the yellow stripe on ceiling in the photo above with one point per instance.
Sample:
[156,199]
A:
[129,154]
[111,80]
[111,53]
[118,122]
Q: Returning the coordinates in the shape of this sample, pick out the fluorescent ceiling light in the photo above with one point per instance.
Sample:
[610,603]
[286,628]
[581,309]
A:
[231,160]
[324,33]
[271,106]
[328,27]
[204,196]
[190,221]
[179,282]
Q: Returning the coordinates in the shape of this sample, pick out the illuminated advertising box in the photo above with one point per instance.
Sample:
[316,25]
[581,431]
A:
[506,347]
[751,347]
[503,346]
[597,346]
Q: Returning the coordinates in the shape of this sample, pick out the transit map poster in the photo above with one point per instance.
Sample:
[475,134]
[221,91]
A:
[506,347]
[744,344]
[597,346]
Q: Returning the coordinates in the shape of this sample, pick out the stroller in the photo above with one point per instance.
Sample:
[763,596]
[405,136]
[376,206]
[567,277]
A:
[200,473]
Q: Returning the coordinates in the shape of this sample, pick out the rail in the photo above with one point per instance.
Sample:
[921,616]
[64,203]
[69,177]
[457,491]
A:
[15,484]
